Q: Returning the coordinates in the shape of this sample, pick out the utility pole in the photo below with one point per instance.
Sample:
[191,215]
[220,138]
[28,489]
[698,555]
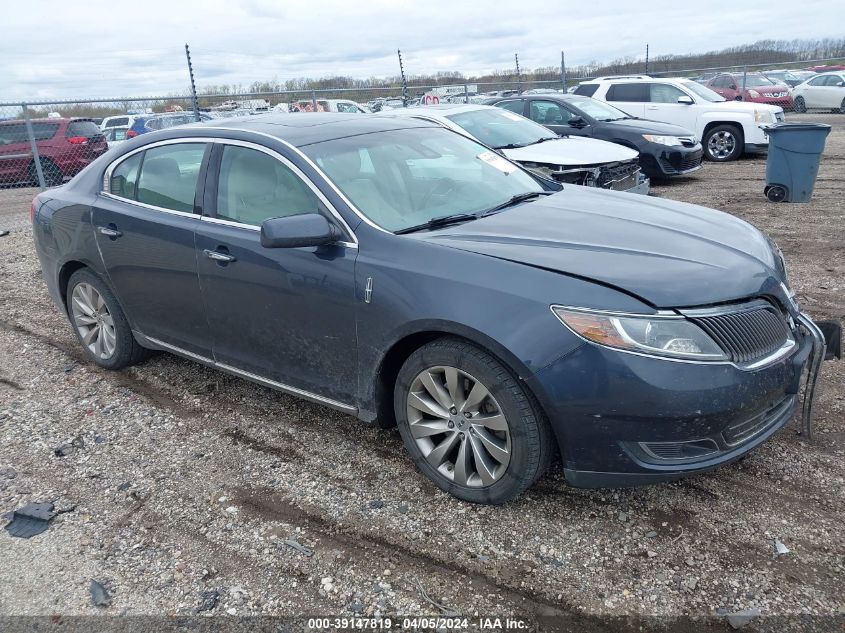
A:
[194,103]
[518,78]
[646,59]
[404,81]
[562,72]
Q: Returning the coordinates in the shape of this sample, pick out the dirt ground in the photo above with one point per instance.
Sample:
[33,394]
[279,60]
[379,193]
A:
[188,487]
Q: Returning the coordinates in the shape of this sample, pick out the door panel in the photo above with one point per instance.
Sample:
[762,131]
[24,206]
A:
[152,265]
[284,314]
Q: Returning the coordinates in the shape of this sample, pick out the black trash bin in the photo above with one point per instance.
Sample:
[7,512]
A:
[795,150]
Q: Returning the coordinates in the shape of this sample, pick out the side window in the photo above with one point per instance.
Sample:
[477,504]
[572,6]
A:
[549,113]
[169,176]
[720,82]
[637,93]
[153,124]
[124,178]
[587,90]
[11,133]
[664,93]
[254,186]
[44,131]
[514,105]
[117,121]
[817,81]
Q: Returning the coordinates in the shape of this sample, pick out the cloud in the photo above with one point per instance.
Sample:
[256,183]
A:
[105,49]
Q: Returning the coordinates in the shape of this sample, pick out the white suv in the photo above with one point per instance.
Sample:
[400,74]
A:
[727,129]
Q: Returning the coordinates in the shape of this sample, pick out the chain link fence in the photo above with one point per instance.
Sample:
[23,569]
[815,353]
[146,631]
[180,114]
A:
[46,143]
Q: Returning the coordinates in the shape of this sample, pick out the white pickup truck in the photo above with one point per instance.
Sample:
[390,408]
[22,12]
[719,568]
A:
[727,129]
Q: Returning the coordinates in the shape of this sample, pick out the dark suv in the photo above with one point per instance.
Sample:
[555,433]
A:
[65,147]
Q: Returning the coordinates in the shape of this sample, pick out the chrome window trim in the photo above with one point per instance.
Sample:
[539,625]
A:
[352,243]
[267,382]
[785,350]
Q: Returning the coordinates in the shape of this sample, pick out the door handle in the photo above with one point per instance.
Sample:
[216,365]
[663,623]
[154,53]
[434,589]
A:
[108,231]
[218,256]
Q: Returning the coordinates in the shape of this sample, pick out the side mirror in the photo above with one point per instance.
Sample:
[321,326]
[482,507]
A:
[577,121]
[309,229]
[685,100]
[732,87]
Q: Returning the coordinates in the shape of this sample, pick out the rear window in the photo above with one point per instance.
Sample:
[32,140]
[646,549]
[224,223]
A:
[82,128]
[637,92]
[117,121]
[586,90]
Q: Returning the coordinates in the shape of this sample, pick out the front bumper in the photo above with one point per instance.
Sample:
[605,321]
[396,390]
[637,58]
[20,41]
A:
[661,161]
[624,419]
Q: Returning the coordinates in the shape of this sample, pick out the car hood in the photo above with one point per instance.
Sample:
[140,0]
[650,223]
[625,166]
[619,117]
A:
[669,254]
[572,151]
[645,126]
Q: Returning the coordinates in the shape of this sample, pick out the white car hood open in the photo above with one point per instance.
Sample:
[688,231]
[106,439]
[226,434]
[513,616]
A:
[572,151]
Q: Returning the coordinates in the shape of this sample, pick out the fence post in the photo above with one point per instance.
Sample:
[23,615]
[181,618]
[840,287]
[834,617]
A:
[314,99]
[646,59]
[518,78]
[744,78]
[34,146]
[466,93]
[194,102]
[404,81]
[562,72]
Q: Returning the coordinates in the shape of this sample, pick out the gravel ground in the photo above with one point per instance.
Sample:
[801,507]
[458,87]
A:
[185,481]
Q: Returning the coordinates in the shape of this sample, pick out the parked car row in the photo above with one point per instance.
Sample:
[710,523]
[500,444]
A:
[396,268]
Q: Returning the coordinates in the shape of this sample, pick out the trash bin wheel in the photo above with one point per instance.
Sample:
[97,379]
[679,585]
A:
[775,193]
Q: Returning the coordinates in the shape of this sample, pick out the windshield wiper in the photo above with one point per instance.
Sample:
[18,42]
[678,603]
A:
[511,146]
[444,220]
[520,197]
[547,138]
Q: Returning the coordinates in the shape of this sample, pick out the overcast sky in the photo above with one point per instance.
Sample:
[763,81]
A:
[104,48]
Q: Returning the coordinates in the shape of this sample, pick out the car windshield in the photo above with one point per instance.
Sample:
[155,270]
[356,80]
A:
[403,178]
[702,91]
[500,128]
[755,81]
[598,109]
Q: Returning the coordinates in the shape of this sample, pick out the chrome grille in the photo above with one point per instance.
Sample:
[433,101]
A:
[746,334]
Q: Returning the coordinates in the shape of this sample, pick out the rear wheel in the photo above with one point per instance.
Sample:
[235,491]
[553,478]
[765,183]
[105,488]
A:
[52,174]
[723,143]
[468,424]
[841,107]
[99,322]
[799,104]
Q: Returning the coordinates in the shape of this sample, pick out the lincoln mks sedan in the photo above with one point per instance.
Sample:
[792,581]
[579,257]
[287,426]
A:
[406,274]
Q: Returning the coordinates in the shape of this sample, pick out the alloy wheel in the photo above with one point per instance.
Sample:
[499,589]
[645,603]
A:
[458,426]
[721,144]
[93,321]
[799,104]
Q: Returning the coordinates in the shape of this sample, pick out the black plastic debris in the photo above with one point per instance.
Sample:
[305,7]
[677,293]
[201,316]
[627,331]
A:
[64,450]
[209,601]
[99,596]
[30,520]
[124,486]
[375,504]
[4,233]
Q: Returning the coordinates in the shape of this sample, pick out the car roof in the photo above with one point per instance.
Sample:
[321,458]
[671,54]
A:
[635,79]
[313,127]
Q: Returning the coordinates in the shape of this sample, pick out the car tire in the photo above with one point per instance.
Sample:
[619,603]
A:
[459,452]
[799,105]
[723,143]
[99,322]
[52,174]
[841,109]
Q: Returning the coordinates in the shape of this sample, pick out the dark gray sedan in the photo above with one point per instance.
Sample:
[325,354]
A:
[403,273]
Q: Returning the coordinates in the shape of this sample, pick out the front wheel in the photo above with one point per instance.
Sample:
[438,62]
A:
[468,424]
[799,104]
[723,143]
[99,323]
[841,107]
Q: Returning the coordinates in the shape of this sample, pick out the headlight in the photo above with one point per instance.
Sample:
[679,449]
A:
[672,337]
[662,140]
[753,94]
